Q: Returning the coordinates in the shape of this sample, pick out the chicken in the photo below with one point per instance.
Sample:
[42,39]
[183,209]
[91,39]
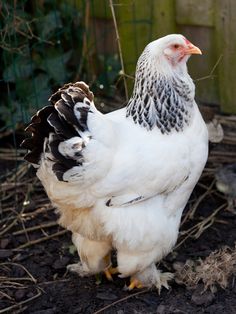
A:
[121,180]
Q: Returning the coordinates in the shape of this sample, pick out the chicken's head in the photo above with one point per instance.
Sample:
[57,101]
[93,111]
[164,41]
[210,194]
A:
[163,90]
[173,49]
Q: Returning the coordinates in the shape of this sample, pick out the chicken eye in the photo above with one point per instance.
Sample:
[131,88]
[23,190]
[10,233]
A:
[176,46]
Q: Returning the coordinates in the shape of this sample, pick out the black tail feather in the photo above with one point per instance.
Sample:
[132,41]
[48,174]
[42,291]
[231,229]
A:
[58,122]
[39,129]
[61,127]
[67,113]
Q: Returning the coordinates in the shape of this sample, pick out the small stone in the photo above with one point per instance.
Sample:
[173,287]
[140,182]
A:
[161,309]
[60,263]
[30,294]
[46,261]
[216,308]
[5,253]
[202,298]
[18,271]
[19,295]
[172,309]
[107,296]
[4,243]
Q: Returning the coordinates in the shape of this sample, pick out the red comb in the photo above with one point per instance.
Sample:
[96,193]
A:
[187,41]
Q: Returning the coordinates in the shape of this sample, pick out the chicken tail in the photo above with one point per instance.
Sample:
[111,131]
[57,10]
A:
[58,129]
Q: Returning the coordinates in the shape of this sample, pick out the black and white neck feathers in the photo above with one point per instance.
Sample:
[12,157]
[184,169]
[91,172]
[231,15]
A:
[163,96]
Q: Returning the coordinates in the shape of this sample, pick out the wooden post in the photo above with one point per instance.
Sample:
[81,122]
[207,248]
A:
[134,20]
[164,19]
[140,22]
[225,21]
[195,20]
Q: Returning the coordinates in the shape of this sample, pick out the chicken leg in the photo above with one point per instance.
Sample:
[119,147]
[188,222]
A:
[94,257]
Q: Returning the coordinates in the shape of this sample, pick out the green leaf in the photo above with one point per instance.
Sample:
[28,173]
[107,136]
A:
[21,67]
[55,66]
[41,92]
[11,113]
[49,23]
[35,92]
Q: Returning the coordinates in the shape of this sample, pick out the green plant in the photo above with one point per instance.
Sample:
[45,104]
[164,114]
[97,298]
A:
[41,44]
[42,48]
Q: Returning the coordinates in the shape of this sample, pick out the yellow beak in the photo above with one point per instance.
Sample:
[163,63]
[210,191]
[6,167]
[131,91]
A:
[192,50]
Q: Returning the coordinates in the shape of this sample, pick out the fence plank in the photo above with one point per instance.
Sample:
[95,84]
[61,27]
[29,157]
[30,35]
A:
[200,67]
[226,40]
[163,18]
[139,23]
[192,12]
[134,23]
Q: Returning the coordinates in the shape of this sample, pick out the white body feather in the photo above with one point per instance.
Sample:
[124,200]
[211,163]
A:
[135,162]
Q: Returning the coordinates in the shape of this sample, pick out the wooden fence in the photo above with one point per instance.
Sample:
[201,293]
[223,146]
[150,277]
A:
[209,24]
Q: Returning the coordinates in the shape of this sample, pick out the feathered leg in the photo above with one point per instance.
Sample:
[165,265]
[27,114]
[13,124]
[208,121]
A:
[142,270]
[153,277]
[94,256]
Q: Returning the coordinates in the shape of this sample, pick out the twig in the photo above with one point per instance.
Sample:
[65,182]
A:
[30,243]
[21,266]
[9,226]
[52,282]
[41,226]
[10,308]
[200,199]
[191,212]
[121,300]
[84,43]
[3,294]
[198,228]
[119,48]
[11,285]
[38,211]
[128,76]
[212,71]
[14,279]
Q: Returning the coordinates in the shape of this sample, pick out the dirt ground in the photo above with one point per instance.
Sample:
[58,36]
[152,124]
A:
[34,252]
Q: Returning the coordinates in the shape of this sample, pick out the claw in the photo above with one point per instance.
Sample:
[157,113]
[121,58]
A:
[163,281]
[110,271]
[114,270]
[108,275]
[134,283]
[107,259]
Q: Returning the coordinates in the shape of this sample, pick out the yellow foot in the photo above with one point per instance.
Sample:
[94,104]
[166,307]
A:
[110,271]
[134,283]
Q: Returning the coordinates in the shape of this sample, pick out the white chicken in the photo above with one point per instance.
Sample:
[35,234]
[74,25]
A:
[121,180]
